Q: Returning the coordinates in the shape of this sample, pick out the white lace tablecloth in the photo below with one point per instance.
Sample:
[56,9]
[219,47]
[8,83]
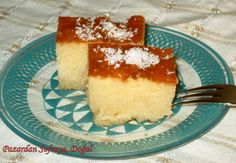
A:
[211,21]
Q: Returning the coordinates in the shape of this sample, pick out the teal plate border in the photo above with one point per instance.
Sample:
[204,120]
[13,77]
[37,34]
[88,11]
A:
[20,69]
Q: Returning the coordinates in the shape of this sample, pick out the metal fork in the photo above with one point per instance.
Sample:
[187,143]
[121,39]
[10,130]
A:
[219,93]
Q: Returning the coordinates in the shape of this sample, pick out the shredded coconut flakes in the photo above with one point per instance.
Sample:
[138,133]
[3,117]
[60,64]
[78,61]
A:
[142,58]
[113,56]
[168,72]
[117,33]
[88,31]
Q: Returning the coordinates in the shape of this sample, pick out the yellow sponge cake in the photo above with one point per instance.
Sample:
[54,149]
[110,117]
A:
[75,33]
[130,82]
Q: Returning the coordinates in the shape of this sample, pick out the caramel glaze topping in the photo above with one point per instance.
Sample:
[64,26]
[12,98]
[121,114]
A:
[162,72]
[69,27]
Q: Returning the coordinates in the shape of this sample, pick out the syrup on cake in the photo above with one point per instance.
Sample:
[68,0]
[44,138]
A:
[130,82]
[75,33]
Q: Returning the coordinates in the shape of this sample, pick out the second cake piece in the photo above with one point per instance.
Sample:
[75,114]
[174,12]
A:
[130,82]
[75,33]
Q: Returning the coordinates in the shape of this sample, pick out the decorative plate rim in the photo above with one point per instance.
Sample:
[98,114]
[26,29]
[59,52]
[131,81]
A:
[173,145]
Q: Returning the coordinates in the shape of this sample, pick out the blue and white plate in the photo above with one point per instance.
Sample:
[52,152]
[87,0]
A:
[35,109]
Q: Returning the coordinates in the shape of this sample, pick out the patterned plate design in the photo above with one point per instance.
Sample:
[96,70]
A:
[35,109]
[71,109]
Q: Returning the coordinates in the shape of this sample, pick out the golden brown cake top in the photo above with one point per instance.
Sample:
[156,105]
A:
[101,29]
[129,61]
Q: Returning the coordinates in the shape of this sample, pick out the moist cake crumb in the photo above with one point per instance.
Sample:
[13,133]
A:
[132,83]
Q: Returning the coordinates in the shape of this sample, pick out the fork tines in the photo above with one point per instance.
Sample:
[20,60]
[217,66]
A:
[207,94]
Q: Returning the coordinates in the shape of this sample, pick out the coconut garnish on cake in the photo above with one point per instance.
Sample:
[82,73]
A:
[89,30]
[127,82]
[142,58]
[74,34]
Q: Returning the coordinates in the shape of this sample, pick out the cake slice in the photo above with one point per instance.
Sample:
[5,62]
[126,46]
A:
[130,82]
[75,33]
